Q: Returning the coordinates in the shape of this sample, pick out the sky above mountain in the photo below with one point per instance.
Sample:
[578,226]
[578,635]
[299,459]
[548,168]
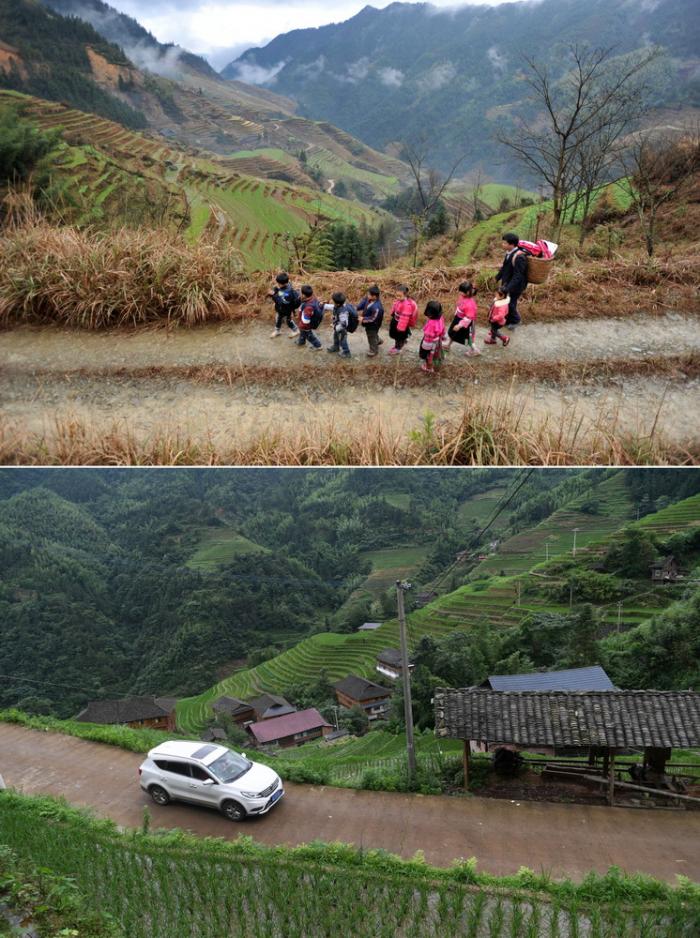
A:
[223,29]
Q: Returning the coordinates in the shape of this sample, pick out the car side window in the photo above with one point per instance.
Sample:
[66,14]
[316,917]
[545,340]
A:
[199,773]
[178,768]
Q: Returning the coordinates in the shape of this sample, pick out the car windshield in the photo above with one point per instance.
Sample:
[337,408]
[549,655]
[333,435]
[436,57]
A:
[229,767]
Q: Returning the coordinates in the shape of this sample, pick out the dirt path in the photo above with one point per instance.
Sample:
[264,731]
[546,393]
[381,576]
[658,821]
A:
[567,840]
[232,383]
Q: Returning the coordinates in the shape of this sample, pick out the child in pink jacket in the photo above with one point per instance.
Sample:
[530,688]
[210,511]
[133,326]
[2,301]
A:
[433,333]
[463,326]
[404,314]
[497,318]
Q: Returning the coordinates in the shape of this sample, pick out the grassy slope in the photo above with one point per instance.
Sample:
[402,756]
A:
[103,167]
[482,236]
[340,654]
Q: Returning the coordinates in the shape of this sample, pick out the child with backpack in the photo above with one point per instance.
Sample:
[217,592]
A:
[286,300]
[404,314]
[463,325]
[433,333]
[498,315]
[345,320]
[372,315]
[310,318]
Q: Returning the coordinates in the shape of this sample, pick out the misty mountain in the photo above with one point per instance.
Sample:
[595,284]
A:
[141,46]
[389,75]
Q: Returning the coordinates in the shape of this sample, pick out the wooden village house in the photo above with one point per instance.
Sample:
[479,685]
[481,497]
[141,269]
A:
[390,665]
[354,691]
[270,706]
[156,713]
[293,729]
[239,711]
[596,723]
[667,570]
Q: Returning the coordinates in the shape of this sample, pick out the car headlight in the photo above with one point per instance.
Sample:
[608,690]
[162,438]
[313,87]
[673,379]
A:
[250,794]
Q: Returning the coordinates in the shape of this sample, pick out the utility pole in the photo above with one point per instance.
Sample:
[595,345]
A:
[519,585]
[401,588]
[335,715]
[619,614]
[576,530]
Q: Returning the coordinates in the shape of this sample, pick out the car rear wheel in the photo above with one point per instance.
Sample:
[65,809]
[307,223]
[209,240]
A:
[233,811]
[159,795]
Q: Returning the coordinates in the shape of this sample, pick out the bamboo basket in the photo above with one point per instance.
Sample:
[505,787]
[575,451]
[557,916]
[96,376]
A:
[538,269]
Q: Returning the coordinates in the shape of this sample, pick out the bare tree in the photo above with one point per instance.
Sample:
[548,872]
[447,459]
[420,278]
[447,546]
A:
[600,95]
[429,186]
[658,170]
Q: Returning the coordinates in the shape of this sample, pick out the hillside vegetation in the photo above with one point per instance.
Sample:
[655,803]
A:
[381,72]
[499,614]
[210,887]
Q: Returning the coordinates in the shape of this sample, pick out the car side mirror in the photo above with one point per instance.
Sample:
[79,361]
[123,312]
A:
[208,781]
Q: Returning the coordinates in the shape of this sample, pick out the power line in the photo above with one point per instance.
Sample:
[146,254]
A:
[500,507]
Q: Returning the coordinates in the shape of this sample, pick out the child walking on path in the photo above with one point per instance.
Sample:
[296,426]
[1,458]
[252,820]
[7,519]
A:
[433,333]
[342,313]
[372,315]
[463,326]
[310,318]
[286,300]
[404,314]
[497,318]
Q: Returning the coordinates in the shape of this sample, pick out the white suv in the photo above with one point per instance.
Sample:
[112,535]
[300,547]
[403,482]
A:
[210,775]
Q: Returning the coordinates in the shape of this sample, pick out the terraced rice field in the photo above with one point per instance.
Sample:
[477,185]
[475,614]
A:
[555,536]
[674,518]
[347,759]
[221,545]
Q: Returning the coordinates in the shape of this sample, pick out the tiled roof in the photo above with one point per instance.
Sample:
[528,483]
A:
[392,656]
[575,679]
[267,731]
[615,719]
[272,704]
[230,705]
[359,688]
[127,710]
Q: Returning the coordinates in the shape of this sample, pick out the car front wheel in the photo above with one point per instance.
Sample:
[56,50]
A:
[159,795]
[233,811]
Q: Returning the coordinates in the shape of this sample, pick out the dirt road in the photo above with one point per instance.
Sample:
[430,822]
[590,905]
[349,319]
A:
[233,383]
[567,840]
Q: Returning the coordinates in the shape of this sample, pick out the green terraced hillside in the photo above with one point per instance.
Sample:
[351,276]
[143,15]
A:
[102,172]
[501,601]
[485,236]
[554,536]
[221,545]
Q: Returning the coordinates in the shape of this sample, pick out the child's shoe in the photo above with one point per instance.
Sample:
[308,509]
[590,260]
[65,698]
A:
[505,339]
[471,350]
[394,351]
[427,369]
[315,348]
[294,333]
[489,341]
[331,349]
[371,354]
[273,335]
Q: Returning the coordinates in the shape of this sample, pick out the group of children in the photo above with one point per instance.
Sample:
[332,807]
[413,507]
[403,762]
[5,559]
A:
[303,313]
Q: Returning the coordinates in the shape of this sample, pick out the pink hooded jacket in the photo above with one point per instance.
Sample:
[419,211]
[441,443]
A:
[405,312]
[434,329]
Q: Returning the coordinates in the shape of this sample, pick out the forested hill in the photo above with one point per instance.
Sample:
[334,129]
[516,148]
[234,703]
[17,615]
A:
[457,74]
[161,581]
[48,55]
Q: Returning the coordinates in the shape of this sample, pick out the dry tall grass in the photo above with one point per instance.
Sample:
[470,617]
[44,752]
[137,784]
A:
[488,433]
[91,279]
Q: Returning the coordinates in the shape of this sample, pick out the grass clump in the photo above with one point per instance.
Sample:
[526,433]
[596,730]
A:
[157,885]
[122,736]
[93,280]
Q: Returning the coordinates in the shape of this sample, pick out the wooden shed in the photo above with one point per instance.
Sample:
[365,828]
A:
[600,722]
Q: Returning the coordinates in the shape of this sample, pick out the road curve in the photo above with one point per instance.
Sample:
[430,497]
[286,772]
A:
[566,840]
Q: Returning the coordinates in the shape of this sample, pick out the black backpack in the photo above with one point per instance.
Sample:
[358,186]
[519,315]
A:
[353,318]
[294,299]
[316,317]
